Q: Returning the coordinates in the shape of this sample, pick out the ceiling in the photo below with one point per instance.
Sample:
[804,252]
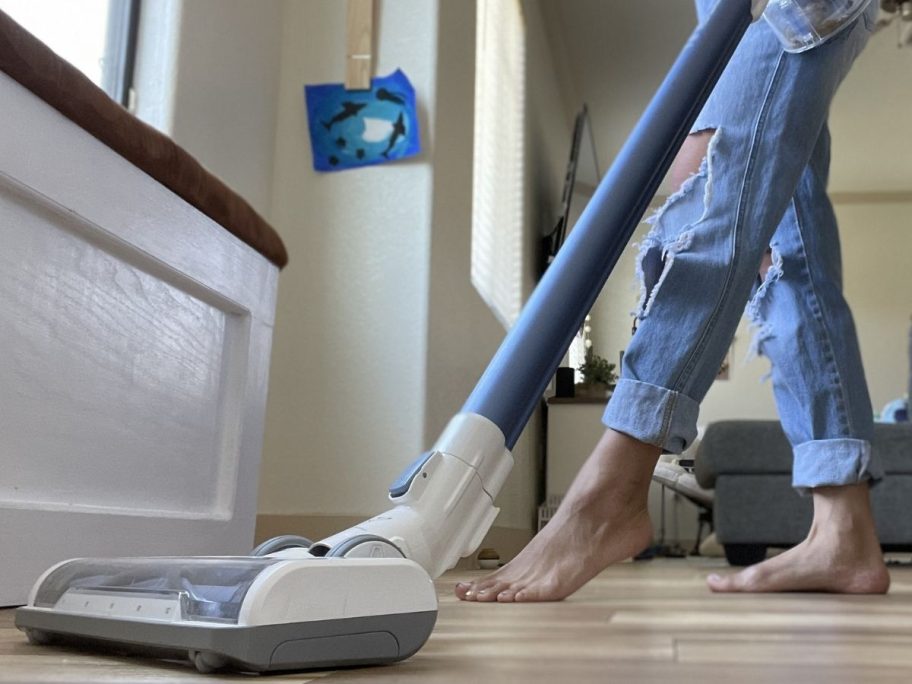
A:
[613,54]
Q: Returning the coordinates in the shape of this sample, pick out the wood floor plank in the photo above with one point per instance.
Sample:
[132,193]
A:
[642,622]
[758,620]
[804,652]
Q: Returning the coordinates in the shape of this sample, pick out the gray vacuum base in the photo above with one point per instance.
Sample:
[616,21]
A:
[347,642]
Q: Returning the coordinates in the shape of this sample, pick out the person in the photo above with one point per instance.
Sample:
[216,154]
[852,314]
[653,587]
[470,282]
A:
[752,178]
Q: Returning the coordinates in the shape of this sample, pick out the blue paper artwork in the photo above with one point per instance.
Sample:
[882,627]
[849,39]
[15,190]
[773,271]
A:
[351,128]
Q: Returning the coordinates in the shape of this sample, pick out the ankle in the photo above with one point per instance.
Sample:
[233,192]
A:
[846,504]
[617,474]
[622,459]
[843,511]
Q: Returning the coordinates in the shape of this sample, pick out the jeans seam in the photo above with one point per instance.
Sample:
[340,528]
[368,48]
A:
[710,325]
[666,417]
[821,319]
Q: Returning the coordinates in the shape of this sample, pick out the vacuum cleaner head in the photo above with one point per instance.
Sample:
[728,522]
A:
[254,614]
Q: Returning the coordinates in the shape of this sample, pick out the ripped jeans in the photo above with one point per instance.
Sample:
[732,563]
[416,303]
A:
[762,185]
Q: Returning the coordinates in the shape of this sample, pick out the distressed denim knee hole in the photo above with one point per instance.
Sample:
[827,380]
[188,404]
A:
[658,249]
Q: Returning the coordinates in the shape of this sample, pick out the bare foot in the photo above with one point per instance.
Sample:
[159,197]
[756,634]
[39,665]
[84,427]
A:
[602,520]
[840,555]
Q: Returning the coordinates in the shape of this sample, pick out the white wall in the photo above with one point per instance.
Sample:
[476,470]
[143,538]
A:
[346,406]
[872,151]
[380,336]
[877,244]
[207,75]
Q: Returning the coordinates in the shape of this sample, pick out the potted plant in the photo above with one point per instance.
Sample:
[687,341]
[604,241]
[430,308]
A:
[598,374]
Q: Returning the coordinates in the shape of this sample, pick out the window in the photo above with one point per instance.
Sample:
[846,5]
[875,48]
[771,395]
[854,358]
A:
[98,37]
[498,174]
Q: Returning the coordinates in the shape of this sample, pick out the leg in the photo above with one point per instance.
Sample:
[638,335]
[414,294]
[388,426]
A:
[602,520]
[822,400]
[604,517]
[715,232]
[699,263]
[841,553]
[820,390]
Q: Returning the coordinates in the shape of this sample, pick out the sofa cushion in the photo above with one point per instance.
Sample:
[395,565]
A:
[764,509]
[761,447]
[35,66]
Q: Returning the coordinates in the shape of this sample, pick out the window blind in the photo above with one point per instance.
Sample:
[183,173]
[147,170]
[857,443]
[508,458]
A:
[498,173]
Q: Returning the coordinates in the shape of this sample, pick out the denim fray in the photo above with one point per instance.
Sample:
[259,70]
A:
[763,329]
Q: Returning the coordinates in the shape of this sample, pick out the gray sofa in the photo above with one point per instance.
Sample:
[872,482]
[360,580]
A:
[749,464]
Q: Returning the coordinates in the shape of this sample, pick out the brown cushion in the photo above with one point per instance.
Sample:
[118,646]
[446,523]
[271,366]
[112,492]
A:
[30,62]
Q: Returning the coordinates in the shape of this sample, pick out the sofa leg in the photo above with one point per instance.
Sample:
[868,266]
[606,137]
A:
[744,554]
[705,519]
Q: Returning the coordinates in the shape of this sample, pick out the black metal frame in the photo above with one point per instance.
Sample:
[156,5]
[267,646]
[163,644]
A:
[120,49]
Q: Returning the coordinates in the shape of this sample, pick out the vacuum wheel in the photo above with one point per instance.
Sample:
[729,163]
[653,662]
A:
[205,662]
[38,636]
[366,546]
[280,543]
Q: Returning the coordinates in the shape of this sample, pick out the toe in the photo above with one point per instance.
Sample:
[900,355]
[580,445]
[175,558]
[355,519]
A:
[478,588]
[720,583]
[468,591]
[491,592]
[756,578]
[540,592]
[525,596]
[506,596]
[469,595]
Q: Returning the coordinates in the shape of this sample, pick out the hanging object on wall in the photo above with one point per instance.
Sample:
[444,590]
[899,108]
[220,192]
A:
[359,44]
[367,120]
[351,128]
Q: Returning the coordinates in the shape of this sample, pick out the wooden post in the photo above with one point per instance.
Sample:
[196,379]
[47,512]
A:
[359,44]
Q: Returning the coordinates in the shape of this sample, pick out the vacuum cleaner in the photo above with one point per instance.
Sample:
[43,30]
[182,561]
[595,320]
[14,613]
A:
[366,595]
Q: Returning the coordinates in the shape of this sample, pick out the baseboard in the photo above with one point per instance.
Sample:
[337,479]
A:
[507,541]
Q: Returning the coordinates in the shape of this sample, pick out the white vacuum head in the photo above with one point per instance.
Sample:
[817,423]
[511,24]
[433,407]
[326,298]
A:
[254,614]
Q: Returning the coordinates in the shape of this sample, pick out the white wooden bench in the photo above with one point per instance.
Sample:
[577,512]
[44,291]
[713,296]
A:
[135,337]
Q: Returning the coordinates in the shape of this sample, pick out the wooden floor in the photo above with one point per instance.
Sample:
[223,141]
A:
[652,621]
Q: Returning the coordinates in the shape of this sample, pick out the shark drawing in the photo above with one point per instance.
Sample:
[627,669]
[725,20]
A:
[398,132]
[349,109]
[387,96]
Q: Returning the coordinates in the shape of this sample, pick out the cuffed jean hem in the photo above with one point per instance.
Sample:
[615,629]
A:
[651,414]
[834,462]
